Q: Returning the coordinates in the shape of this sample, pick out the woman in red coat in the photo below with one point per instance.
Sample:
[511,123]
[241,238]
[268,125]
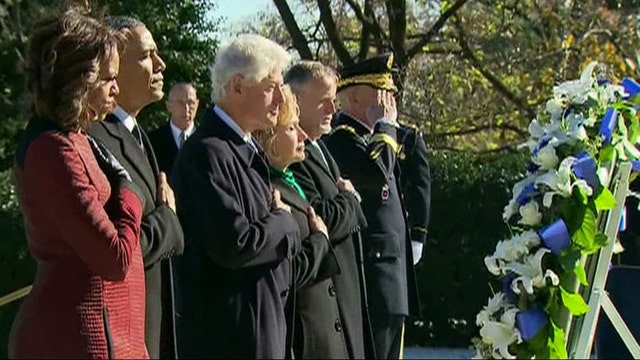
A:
[81,213]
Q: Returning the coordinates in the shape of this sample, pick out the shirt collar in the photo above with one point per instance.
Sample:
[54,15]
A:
[127,120]
[234,126]
[359,121]
[175,131]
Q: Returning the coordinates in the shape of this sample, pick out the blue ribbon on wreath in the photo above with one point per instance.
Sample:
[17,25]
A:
[555,236]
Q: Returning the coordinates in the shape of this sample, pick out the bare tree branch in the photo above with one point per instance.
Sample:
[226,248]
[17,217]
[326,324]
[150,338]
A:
[397,13]
[332,32]
[435,28]
[370,26]
[481,128]
[500,87]
[299,40]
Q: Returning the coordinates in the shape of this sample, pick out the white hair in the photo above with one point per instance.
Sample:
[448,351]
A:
[252,56]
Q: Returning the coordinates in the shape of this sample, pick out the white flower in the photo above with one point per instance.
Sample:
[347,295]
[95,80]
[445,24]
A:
[555,107]
[510,209]
[531,273]
[546,158]
[510,250]
[609,93]
[559,182]
[578,91]
[530,238]
[500,336]
[509,317]
[576,129]
[530,214]
[494,265]
[494,305]
[603,175]
[536,130]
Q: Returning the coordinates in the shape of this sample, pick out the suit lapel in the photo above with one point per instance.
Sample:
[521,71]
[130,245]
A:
[130,149]
[316,157]
[213,125]
[334,170]
[289,195]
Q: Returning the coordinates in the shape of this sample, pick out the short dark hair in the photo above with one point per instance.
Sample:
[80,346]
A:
[62,64]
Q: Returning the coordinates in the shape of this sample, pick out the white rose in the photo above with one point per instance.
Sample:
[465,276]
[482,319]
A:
[546,158]
[530,213]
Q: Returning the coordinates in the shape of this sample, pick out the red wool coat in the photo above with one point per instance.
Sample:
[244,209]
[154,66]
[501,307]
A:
[88,296]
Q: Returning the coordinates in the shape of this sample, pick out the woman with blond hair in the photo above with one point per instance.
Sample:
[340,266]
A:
[82,213]
[318,332]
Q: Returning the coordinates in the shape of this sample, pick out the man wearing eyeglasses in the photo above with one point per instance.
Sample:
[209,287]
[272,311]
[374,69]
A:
[166,140]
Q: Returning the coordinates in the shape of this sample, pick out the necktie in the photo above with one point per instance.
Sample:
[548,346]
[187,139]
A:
[183,138]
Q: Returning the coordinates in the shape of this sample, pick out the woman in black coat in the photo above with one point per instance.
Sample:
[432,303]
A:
[318,332]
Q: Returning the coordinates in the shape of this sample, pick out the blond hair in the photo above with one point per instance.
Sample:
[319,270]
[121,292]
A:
[287,116]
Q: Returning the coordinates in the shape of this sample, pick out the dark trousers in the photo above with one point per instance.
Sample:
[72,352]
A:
[387,335]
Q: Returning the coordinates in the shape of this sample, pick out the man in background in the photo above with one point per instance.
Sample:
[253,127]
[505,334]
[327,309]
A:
[140,80]
[182,104]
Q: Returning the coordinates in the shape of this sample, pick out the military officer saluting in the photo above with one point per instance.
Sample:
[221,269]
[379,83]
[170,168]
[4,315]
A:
[364,143]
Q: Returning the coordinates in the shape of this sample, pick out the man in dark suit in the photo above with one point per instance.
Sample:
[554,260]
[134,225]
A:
[364,144]
[140,81]
[236,272]
[334,200]
[182,104]
[416,184]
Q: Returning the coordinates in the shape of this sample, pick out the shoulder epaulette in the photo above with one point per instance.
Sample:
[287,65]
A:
[345,127]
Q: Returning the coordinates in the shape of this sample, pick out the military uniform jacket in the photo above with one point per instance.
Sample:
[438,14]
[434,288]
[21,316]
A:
[235,276]
[161,234]
[369,161]
[343,216]
[415,180]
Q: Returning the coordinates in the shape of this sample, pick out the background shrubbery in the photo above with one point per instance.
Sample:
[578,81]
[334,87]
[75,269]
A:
[469,193]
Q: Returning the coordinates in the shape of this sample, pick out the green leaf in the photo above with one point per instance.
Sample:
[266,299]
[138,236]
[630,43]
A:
[570,258]
[573,302]
[557,346]
[585,236]
[581,275]
[539,343]
[601,240]
[606,154]
[605,200]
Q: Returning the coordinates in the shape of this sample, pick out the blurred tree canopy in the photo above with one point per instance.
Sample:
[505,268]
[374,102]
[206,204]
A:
[183,29]
[473,73]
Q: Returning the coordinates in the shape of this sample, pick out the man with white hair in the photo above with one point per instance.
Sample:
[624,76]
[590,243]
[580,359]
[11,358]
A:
[234,278]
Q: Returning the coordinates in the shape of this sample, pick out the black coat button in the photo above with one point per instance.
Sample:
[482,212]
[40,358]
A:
[338,326]
[332,291]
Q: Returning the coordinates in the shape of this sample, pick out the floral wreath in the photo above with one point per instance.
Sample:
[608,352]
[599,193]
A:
[553,215]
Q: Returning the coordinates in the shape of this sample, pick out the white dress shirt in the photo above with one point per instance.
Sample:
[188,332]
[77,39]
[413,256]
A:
[127,120]
[175,131]
[235,127]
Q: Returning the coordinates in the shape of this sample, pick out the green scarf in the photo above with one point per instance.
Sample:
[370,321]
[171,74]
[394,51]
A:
[287,176]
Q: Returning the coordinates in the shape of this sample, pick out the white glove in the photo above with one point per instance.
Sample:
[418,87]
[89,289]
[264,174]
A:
[416,248]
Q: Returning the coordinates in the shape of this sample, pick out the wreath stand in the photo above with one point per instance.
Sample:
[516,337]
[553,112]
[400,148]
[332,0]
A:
[580,331]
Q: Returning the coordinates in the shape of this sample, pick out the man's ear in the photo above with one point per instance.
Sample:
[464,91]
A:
[235,84]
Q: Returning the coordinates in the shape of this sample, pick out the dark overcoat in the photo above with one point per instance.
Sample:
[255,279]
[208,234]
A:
[161,235]
[237,269]
[164,147]
[318,328]
[344,219]
[369,161]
